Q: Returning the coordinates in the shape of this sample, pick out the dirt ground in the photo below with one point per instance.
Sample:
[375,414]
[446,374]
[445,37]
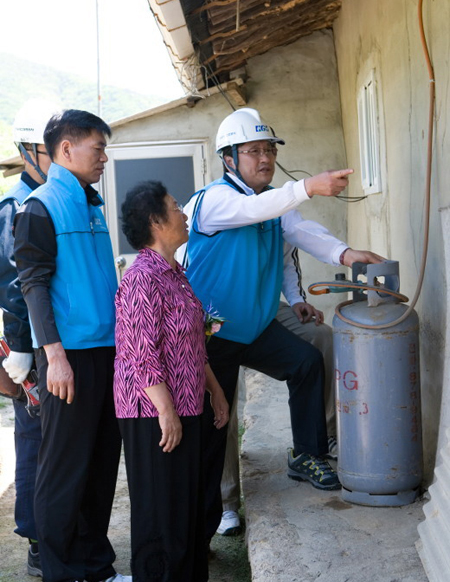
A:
[228,563]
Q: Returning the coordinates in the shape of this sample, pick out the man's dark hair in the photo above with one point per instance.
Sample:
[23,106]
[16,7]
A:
[72,124]
[144,203]
[227,151]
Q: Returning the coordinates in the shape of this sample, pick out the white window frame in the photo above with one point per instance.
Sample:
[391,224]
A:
[369,135]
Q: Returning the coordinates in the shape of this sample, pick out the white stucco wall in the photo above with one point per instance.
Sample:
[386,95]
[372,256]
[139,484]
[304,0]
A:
[385,35]
[295,89]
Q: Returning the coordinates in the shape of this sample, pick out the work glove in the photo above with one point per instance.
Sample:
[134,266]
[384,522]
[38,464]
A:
[18,366]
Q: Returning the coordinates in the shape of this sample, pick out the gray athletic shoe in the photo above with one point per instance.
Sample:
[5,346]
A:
[34,561]
[316,470]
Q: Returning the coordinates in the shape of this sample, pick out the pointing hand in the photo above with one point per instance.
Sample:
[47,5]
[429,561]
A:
[329,183]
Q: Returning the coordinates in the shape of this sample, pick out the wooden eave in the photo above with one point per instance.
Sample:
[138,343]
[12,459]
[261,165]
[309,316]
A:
[226,33]
[11,166]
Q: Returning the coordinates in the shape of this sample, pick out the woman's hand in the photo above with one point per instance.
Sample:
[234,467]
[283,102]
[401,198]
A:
[218,401]
[220,406]
[171,430]
[168,419]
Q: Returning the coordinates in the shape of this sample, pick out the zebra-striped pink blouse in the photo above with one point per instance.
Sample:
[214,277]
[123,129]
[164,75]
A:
[160,337]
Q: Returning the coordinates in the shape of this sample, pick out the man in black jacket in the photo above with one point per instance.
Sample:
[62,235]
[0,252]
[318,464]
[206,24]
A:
[28,133]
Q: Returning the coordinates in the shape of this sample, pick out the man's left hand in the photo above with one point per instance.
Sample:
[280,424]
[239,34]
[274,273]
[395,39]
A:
[306,312]
[60,378]
[351,256]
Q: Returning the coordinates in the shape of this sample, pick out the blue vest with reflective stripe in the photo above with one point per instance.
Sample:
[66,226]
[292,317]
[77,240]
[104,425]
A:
[238,272]
[83,287]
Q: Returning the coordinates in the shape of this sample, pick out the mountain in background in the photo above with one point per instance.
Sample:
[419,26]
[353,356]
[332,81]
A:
[21,80]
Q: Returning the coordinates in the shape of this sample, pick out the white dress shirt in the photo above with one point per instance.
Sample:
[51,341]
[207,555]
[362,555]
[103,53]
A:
[224,208]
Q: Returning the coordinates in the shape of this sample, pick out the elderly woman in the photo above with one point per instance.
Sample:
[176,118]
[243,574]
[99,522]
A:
[161,373]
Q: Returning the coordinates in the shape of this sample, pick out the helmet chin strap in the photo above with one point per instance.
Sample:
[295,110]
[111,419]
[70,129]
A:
[27,156]
[234,170]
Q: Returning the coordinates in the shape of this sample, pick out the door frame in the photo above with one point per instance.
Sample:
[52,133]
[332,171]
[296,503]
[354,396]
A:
[195,148]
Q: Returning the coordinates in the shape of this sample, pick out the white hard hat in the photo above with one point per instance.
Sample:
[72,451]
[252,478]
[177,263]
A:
[31,120]
[242,126]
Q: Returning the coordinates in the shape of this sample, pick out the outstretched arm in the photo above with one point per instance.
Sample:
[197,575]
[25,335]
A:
[223,207]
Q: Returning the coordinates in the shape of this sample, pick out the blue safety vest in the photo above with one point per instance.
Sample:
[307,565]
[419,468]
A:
[83,286]
[238,272]
[18,192]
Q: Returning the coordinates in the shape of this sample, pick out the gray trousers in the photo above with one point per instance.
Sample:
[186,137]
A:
[320,336]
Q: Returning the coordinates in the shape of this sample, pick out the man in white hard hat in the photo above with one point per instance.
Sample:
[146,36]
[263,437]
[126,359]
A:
[236,250]
[28,134]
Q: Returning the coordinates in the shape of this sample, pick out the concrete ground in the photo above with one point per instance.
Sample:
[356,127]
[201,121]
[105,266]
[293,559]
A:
[296,533]
[228,560]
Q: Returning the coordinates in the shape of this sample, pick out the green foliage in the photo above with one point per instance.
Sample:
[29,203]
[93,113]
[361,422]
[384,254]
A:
[21,80]
[7,147]
[7,183]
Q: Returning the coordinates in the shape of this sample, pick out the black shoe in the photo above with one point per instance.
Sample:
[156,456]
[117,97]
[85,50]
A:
[34,561]
[316,470]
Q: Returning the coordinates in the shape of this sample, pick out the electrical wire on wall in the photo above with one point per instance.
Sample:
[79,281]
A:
[211,75]
[352,199]
[427,192]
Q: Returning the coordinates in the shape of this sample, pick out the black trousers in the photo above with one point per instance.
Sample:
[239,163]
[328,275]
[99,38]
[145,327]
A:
[167,502]
[282,355]
[77,470]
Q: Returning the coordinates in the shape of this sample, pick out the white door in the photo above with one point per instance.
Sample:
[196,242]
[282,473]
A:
[180,166]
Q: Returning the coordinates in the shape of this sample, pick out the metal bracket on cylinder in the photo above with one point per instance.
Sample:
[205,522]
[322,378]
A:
[388,269]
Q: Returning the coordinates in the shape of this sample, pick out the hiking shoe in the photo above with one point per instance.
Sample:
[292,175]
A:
[316,470]
[332,448]
[34,561]
[230,524]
